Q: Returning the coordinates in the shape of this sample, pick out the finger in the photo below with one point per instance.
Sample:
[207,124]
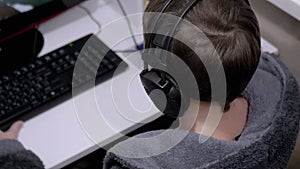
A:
[15,128]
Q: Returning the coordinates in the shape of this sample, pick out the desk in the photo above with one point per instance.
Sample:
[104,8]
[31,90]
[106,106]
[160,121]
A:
[57,135]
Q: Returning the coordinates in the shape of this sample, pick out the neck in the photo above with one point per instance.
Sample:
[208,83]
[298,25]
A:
[208,119]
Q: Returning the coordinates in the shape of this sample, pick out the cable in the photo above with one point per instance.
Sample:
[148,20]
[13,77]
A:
[129,24]
[92,17]
[138,47]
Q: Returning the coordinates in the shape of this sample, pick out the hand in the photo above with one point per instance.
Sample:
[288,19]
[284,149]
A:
[13,132]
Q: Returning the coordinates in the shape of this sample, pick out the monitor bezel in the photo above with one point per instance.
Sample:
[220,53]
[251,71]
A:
[23,22]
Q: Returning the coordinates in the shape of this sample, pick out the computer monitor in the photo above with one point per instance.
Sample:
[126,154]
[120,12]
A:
[17,16]
[20,41]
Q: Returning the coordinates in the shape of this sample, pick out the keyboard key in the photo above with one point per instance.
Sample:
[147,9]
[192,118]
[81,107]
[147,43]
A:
[17,73]
[24,70]
[54,55]
[48,58]
[39,63]
[6,78]
[102,70]
[62,51]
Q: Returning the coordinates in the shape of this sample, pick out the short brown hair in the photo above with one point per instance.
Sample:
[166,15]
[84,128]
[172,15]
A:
[232,28]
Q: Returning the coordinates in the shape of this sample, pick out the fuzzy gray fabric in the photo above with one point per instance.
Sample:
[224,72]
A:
[14,156]
[266,143]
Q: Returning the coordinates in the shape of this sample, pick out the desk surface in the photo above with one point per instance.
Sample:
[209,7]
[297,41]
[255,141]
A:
[57,135]
[63,134]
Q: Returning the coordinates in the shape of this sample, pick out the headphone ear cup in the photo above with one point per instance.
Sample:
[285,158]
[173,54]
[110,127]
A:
[159,98]
[168,98]
[174,103]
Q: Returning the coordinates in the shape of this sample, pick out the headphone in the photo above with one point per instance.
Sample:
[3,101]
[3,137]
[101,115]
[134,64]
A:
[160,86]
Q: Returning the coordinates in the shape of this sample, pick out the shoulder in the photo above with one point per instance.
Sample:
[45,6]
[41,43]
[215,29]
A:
[271,79]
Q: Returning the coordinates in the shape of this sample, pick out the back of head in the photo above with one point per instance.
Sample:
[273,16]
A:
[232,28]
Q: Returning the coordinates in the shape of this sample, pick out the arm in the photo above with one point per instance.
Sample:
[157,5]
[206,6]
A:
[12,153]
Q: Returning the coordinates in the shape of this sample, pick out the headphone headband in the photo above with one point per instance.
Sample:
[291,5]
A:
[155,22]
[166,42]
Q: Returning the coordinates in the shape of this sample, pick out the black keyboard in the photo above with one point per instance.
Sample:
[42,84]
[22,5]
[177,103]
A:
[48,80]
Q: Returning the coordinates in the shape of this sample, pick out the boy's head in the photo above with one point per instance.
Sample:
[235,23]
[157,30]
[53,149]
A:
[233,30]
